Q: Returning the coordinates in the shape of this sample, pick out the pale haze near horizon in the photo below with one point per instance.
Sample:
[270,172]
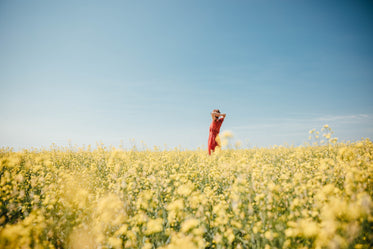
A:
[122,72]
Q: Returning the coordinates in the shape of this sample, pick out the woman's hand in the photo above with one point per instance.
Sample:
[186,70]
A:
[219,114]
[215,115]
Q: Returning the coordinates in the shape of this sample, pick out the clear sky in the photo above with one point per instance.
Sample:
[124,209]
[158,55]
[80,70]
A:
[111,71]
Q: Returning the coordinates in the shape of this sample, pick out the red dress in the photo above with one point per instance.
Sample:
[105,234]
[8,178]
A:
[214,131]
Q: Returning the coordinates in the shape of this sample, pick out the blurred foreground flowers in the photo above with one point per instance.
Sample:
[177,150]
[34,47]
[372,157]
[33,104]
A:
[283,197]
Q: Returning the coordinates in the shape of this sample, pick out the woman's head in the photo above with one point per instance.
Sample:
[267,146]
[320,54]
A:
[216,111]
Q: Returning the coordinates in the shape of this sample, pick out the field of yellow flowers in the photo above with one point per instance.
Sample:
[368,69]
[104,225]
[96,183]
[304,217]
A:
[316,196]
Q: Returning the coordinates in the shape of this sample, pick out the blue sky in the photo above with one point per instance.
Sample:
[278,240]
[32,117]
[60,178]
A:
[111,71]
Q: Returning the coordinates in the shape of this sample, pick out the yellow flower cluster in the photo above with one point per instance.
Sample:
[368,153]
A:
[315,196]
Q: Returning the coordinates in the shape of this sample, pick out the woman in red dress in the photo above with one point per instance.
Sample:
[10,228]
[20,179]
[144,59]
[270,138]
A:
[217,120]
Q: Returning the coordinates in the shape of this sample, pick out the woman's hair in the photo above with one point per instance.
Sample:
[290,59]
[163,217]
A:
[216,110]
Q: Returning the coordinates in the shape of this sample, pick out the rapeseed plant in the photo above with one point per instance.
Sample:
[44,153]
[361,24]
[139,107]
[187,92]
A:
[313,196]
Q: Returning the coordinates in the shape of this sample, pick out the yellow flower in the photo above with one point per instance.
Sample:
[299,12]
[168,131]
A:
[309,228]
[227,134]
[147,245]
[115,242]
[176,205]
[154,226]
[189,224]
[268,235]
[185,189]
